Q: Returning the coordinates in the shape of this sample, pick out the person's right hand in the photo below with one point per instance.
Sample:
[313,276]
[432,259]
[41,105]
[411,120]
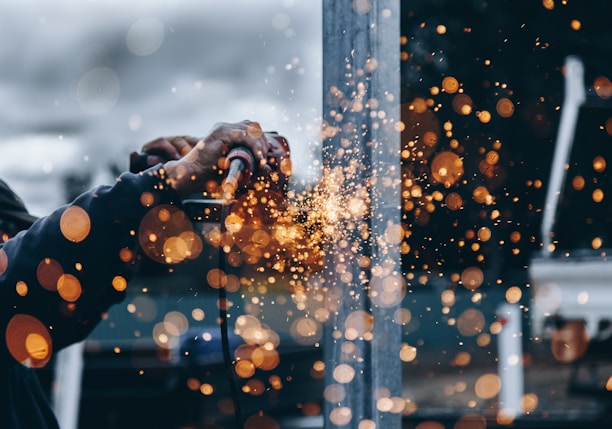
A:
[205,159]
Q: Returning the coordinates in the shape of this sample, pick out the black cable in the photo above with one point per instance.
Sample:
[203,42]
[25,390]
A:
[225,345]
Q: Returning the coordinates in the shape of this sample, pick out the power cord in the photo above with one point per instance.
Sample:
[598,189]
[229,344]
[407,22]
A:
[223,316]
[200,210]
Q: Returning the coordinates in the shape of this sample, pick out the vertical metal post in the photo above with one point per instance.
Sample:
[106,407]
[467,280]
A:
[66,394]
[510,366]
[361,158]
[574,98]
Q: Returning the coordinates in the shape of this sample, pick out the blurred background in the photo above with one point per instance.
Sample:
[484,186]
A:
[83,83]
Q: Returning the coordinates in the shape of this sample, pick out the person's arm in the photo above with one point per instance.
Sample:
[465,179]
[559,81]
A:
[58,277]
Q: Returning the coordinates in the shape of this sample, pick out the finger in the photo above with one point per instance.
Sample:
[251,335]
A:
[183,144]
[254,129]
[140,161]
[245,133]
[161,147]
[260,141]
[155,159]
[230,135]
[265,170]
[255,139]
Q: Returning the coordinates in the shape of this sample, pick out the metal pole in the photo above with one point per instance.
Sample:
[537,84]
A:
[66,398]
[510,366]
[573,99]
[361,158]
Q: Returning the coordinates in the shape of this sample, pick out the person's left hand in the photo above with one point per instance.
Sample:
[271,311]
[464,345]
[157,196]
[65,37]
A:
[161,150]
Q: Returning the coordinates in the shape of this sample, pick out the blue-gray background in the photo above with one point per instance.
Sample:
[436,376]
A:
[83,83]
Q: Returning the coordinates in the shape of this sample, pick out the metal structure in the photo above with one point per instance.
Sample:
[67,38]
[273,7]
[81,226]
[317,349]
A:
[361,158]
[573,284]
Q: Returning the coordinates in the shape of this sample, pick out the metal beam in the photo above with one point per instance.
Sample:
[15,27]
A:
[361,159]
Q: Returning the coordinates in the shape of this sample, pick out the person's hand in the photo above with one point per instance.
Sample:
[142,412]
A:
[161,150]
[204,160]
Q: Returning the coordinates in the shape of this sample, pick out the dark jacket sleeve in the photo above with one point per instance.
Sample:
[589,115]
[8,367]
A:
[59,277]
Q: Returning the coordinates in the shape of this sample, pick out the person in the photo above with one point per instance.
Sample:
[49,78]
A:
[60,273]
[14,216]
